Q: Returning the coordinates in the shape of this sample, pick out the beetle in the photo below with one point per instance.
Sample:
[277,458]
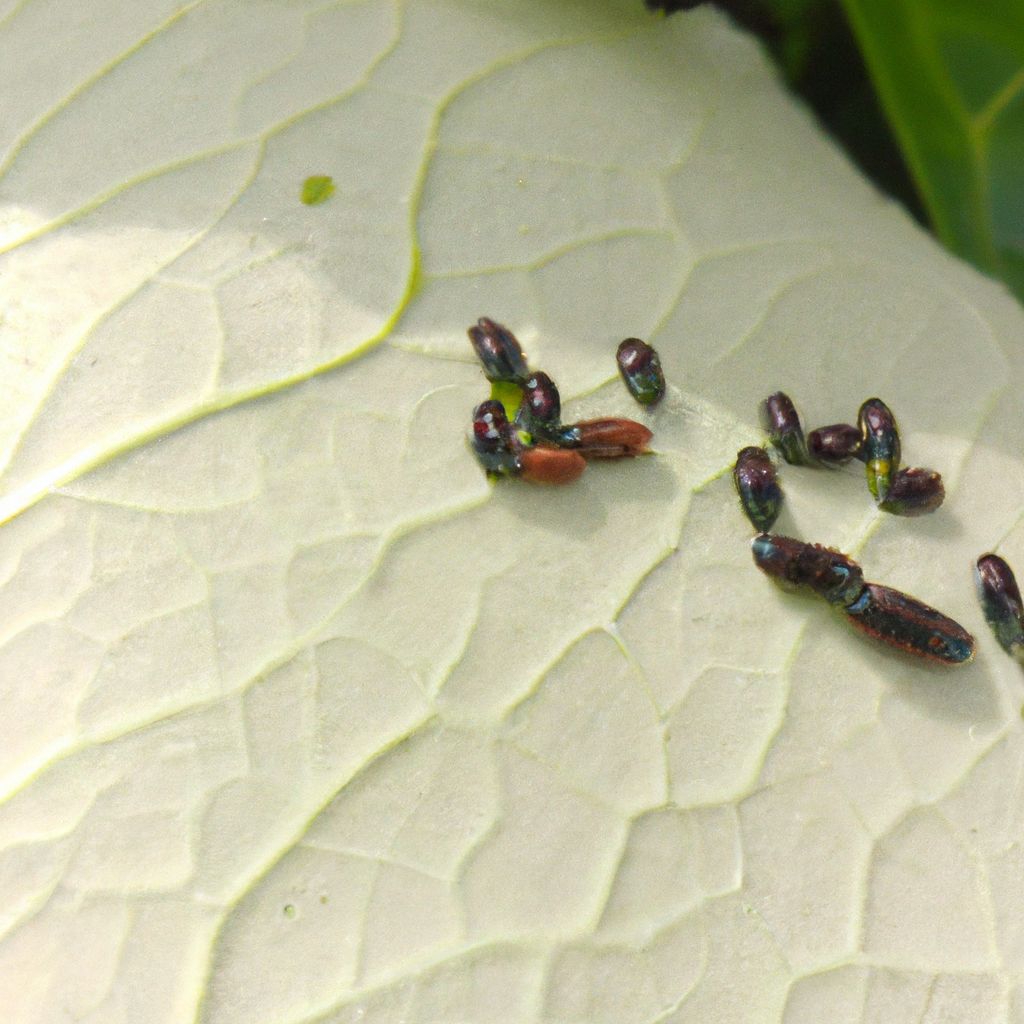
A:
[758,487]
[499,351]
[836,444]
[546,464]
[640,367]
[914,492]
[541,408]
[782,424]
[607,438]
[494,439]
[1001,602]
[880,444]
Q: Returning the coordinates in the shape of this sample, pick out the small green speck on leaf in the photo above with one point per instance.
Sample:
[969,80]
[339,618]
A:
[317,189]
[289,910]
[510,395]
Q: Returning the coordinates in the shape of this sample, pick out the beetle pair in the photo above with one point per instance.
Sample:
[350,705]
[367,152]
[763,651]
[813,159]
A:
[888,615]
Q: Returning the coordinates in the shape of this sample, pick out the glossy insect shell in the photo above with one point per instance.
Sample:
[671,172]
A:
[498,350]
[608,438]
[1001,602]
[543,464]
[541,401]
[490,426]
[562,436]
[880,441]
[901,621]
[829,574]
[782,423]
[494,440]
[641,371]
[914,492]
[834,445]
[758,487]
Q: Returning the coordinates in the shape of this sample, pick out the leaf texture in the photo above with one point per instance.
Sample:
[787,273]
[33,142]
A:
[303,720]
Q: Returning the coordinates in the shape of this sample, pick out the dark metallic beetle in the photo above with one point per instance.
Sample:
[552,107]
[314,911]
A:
[1001,602]
[914,492]
[902,621]
[830,574]
[540,411]
[880,445]
[641,371]
[494,439]
[758,487]
[834,445]
[541,408]
[782,423]
[499,351]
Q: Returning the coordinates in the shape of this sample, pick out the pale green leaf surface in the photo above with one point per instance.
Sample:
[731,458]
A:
[302,720]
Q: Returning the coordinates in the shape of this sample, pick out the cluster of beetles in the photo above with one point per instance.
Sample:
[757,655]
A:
[518,432]
[887,615]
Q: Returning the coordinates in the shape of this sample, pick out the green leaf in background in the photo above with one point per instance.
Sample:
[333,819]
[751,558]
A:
[951,77]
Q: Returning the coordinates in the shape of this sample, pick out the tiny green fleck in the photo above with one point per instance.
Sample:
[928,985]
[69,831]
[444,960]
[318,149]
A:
[289,910]
[317,189]
[510,395]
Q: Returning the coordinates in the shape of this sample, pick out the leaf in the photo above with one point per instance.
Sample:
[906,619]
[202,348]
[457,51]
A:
[951,77]
[305,721]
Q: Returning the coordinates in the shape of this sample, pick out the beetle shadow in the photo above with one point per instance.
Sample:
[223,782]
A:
[577,510]
[582,508]
[942,526]
[967,694]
